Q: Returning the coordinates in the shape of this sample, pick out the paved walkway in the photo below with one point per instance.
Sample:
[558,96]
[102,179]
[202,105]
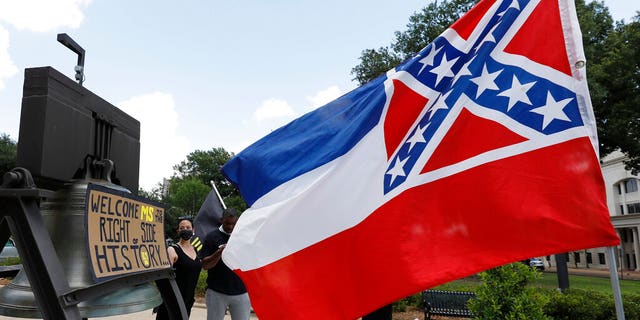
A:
[198,312]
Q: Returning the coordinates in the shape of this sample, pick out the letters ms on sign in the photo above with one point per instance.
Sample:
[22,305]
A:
[125,234]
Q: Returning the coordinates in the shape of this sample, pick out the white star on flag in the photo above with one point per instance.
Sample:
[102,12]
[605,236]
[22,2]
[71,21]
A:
[486,81]
[464,71]
[444,69]
[428,59]
[517,92]
[552,110]
[489,37]
[417,137]
[439,104]
[514,4]
[397,169]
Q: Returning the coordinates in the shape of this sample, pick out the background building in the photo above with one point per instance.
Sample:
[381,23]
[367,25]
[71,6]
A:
[623,201]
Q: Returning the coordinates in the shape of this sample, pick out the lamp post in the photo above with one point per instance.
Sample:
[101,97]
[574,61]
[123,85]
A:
[66,40]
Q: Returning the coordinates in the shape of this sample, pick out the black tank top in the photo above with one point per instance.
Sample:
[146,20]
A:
[187,273]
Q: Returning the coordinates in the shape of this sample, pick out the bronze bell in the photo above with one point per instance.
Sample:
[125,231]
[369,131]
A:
[64,217]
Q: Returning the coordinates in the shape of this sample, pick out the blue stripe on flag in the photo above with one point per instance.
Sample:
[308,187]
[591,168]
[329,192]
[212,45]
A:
[308,142]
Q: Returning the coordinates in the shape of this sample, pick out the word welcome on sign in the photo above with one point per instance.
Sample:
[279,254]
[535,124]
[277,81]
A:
[125,234]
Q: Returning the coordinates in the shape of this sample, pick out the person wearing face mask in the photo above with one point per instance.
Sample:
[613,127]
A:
[187,266]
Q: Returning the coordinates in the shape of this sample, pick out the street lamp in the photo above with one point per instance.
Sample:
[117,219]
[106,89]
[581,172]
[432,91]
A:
[75,47]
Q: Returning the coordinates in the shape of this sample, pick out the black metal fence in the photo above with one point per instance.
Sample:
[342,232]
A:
[446,303]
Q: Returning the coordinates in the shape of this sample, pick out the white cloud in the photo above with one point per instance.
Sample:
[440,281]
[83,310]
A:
[38,16]
[161,146]
[274,113]
[272,109]
[275,110]
[323,97]
[7,68]
[43,15]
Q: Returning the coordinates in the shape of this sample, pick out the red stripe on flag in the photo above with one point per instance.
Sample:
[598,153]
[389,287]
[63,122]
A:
[465,25]
[469,222]
[544,21]
[404,108]
[477,135]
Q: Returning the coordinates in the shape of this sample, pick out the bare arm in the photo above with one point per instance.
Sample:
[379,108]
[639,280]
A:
[173,256]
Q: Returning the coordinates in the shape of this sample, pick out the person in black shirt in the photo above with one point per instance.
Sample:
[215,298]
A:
[186,264]
[224,288]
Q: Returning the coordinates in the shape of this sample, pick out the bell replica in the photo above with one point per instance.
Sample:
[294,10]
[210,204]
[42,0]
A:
[64,217]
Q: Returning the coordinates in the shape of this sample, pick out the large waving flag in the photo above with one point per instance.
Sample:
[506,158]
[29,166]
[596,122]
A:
[479,151]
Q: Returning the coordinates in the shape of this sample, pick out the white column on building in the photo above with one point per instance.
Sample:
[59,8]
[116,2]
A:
[623,192]
[636,247]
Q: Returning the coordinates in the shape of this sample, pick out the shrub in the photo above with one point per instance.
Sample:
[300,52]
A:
[410,302]
[10,261]
[503,295]
[579,304]
[631,305]
[201,287]
[589,305]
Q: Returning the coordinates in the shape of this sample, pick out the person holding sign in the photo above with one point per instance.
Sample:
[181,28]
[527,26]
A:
[187,266]
[224,288]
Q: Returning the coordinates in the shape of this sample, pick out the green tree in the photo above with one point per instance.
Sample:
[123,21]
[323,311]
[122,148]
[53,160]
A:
[614,83]
[184,198]
[8,153]
[154,194]
[503,294]
[205,166]
[613,69]
[190,185]
[423,28]
[188,194]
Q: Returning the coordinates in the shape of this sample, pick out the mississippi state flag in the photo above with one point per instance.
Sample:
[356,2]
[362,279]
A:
[479,151]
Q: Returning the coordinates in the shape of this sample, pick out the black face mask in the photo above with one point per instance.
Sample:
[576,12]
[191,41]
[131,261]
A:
[186,234]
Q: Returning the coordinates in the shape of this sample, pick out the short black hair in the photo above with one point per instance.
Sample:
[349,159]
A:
[230,213]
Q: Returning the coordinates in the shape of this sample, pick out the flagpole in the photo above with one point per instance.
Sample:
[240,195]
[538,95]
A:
[213,185]
[615,283]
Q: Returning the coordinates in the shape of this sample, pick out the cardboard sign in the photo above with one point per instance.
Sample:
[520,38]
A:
[125,234]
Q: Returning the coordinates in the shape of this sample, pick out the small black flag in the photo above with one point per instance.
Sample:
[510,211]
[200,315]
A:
[208,218]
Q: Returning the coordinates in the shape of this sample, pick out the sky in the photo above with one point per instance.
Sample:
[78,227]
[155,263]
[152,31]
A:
[202,74]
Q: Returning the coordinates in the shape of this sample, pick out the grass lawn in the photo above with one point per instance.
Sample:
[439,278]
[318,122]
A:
[550,280]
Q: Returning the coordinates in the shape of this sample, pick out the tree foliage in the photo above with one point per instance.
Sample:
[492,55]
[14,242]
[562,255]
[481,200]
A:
[188,194]
[614,84]
[8,153]
[190,185]
[205,166]
[503,294]
[424,26]
[612,52]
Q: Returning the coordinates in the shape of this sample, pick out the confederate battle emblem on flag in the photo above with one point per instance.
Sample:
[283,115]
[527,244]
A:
[488,97]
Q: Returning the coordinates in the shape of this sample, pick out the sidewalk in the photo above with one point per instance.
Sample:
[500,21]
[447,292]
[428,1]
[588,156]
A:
[197,312]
